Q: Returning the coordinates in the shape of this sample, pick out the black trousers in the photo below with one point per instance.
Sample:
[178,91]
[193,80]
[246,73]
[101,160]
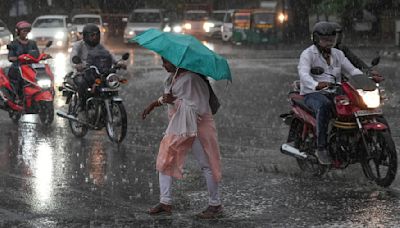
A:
[83,81]
[17,81]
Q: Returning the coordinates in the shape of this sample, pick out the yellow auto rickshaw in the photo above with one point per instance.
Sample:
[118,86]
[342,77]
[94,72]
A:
[263,27]
[240,25]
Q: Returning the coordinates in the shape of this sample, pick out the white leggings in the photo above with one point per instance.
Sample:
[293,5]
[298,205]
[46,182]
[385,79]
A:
[212,185]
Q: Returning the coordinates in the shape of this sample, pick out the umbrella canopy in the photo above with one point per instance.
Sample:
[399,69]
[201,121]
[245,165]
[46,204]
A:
[186,52]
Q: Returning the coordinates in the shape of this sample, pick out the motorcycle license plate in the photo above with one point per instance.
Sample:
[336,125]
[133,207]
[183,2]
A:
[377,111]
[37,65]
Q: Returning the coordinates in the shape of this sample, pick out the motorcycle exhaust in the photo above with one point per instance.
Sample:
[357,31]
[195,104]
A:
[291,151]
[73,118]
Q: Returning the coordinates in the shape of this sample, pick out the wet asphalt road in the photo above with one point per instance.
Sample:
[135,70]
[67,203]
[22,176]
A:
[49,178]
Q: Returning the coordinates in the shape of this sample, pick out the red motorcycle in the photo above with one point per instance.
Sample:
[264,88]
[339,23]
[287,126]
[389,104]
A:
[358,132]
[38,91]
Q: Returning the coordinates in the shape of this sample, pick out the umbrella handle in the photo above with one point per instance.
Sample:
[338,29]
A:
[173,79]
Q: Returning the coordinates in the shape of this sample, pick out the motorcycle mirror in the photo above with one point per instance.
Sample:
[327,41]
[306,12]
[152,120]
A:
[76,60]
[317,70]
[49,43]
[375,61]
[125,56]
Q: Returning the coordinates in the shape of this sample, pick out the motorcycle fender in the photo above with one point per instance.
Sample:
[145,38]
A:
[44,96]
[375,126]
[117,99]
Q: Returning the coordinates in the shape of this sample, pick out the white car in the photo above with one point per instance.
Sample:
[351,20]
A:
[80,20]
[5,37]
[227,26]
[214,23]
[51,27]
[141,20]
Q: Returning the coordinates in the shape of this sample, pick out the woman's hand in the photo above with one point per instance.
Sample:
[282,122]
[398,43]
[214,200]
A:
[168,98]
[149,109]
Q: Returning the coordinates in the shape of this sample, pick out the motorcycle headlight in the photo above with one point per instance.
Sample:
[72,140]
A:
[44,83]
[371,99]
[112,81]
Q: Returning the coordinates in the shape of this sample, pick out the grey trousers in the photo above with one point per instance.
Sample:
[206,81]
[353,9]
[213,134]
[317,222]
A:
[212,185]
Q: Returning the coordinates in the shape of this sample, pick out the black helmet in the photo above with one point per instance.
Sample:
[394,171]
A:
[322,28]
[90,30]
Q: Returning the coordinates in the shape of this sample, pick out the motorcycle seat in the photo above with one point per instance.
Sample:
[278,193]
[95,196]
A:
[300,102]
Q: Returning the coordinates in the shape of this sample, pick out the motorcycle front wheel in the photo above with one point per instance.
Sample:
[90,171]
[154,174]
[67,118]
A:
[77,129]
[46,112]
[381,165]
[116,124]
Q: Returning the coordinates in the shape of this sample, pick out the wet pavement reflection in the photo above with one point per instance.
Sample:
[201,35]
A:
[50,178]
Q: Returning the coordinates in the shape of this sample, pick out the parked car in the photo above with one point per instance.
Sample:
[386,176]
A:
[51,27]
[5,37]
[80,20]
[213,25]
[227,26]
[194,23]
[142,19]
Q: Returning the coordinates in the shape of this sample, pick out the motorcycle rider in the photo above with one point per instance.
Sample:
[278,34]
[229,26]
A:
[19,46]
[315,88]
[91,52]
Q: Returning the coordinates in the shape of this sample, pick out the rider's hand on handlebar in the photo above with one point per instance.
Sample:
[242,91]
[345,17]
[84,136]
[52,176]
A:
[376,77]
[322,85]
[47,56]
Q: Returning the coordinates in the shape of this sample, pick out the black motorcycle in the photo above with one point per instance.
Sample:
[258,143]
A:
[103,107]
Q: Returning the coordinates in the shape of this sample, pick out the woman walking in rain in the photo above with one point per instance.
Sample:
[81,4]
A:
[191,126]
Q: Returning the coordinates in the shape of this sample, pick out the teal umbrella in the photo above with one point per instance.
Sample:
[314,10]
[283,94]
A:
[186,52]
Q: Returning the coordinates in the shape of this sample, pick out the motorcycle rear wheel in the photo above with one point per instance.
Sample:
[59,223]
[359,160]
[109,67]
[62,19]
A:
[116,129]
[46,112]
[77,129]
[383,158]
[310,165]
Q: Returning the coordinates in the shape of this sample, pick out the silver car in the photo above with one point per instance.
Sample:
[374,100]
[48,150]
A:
[51,27]
[142,19]
[5,37]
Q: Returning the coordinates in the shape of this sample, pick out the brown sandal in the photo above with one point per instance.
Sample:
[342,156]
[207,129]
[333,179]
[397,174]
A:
[160,209]
[212,212]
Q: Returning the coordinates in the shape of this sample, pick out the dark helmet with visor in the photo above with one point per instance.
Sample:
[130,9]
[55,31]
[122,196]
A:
[91,34]
[322,28]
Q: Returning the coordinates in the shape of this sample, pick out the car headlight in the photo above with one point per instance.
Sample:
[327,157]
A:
[131,33]
[371,99]
[167,29]
[44,83]
[30,36]
[59,35]
[188,26]
[112,81]
[11,37]
[177,29]
[207,26]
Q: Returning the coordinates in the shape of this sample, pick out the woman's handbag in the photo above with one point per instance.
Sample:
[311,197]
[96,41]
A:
[213,101]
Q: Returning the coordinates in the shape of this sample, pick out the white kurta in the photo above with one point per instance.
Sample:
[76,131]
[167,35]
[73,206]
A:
[311,57]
